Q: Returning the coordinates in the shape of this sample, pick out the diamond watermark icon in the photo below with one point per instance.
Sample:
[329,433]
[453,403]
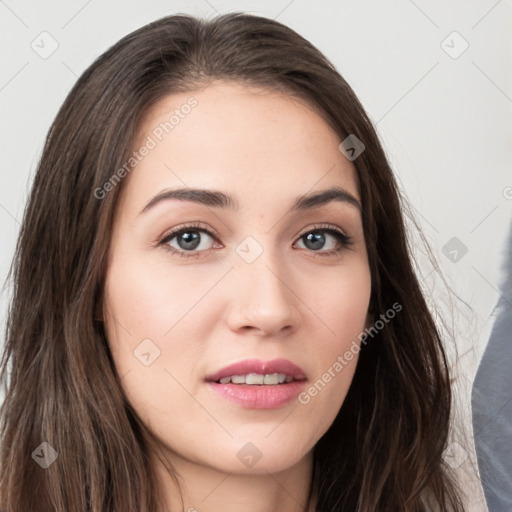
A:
[454,45]
[147,352]
[454,249]
[45,455]
[249,249]
[351,147]
[249,455]
[44,45]
[454,455]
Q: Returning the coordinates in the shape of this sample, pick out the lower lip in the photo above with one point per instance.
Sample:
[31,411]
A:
[259,397]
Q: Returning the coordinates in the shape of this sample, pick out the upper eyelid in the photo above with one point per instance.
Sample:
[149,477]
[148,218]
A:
[191,227]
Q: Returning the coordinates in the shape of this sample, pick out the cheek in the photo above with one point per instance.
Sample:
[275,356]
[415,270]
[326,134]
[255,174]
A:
[148,322]
[149,299]
[151,330]
[171,306]
[341,305]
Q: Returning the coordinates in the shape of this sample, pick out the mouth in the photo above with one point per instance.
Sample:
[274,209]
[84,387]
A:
[255,379]
[255,384]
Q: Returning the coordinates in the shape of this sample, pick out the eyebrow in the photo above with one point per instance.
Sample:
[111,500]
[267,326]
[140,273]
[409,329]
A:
[216,199]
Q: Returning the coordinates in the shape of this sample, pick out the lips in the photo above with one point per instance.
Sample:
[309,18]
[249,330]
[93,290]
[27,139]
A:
[259,367]
[266,395]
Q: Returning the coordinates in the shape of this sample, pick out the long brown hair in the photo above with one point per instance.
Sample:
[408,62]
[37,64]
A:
[384,450]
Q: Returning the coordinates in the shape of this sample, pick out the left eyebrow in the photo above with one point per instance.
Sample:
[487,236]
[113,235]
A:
[325,196]
[218,199]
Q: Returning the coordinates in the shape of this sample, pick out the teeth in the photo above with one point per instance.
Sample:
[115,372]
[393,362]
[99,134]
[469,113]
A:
[271,379]
[252,379]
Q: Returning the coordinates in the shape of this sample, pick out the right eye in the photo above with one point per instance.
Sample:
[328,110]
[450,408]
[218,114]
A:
[188,240]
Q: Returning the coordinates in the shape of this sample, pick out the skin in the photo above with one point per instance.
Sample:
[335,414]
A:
[264,149]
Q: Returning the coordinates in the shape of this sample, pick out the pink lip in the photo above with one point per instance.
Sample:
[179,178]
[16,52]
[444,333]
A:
[259,367]
[259,396]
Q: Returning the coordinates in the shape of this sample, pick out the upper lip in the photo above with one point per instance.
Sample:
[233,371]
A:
[260,367]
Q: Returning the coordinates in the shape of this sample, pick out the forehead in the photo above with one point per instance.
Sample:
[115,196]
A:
[251,142]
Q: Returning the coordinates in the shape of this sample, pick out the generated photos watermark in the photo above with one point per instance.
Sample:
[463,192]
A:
[344,359]
[151,142]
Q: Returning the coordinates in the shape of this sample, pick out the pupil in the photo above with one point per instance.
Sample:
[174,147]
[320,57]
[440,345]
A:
[317,240]
[190,240]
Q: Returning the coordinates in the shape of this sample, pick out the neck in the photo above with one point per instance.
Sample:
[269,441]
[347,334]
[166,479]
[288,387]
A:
[207,489]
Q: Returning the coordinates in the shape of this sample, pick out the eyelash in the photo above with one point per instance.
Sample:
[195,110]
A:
[343,239]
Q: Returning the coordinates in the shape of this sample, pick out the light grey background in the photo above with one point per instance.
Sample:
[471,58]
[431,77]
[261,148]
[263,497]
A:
[443,113]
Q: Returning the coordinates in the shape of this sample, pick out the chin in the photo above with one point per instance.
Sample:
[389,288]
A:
[261,456]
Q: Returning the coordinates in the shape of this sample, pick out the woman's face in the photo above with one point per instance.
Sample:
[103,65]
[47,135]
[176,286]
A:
[254,271]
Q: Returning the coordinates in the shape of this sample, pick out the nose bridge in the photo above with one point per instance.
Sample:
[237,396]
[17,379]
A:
[263,298]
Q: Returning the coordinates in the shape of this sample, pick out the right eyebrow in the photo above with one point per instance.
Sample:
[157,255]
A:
[207,197]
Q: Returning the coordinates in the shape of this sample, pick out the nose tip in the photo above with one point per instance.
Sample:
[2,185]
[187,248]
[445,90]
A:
[262,301]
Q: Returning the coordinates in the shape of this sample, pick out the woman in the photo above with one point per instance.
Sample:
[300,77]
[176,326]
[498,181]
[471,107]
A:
[215,307]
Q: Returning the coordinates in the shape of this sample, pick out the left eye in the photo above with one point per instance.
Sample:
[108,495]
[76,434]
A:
[326,239]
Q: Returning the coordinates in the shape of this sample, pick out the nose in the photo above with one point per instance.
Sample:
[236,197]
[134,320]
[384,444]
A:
[262,298]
